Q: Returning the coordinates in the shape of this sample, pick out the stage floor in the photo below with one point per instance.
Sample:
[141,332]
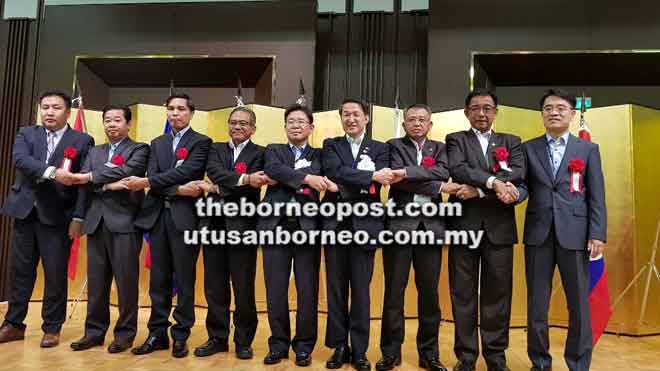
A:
[612,353]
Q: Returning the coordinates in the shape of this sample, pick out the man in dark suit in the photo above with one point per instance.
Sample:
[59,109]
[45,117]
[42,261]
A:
[113,243]
[296,167]
[489,165]
[566,219]
[236,168]
[421,163]
[176,162]
[43,203]
[359,166]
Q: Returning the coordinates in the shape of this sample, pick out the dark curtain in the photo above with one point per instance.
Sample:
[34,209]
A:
[17,44]
[368,56]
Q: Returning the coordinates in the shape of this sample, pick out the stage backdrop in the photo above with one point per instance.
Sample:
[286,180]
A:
[627,136]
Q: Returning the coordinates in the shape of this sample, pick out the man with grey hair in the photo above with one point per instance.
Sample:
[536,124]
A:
[236,169]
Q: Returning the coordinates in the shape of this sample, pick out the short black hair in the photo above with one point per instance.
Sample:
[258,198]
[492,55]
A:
[253,116]
[557,93]
[362,104]
[418,106]
[301,108]
[189,102]
[480,93]
[57,93]
[128,115]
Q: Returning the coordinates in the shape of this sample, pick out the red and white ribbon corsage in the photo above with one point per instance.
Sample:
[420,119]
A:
[117,160]
[181,155]
[70,154]
[502,160]
[576,168]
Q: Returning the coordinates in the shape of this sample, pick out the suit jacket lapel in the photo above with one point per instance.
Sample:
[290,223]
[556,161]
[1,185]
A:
[344,151]
[245,155]
[429,148]
[541,148]
[40,144]
[165,150]
[569,154]
[182,143]
[411,151]
[473,141]
[101,156]
[64,142]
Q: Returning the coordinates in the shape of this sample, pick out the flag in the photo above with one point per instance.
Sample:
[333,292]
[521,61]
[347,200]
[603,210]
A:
[397,115]
[600,306]
[583,132]
[78,125]
[239,94]
[301,94]
[599,298]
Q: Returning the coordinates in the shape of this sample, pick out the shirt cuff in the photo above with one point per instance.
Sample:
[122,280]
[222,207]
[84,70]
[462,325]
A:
[46,174]
[481,193]
[78,220]
[489,182]
[240,180]
[442,184]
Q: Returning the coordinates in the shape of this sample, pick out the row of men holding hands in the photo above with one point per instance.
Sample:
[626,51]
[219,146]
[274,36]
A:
[66,187]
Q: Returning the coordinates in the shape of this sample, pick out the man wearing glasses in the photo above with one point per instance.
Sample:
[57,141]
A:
[488,165]
[236,167]
[566,221]
[296,167]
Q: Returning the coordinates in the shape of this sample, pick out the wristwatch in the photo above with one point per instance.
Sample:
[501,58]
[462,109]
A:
[52,174]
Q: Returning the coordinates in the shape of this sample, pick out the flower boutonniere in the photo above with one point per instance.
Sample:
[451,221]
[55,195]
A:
[70,154]
[576,168]
[501,160]
[240,167]
[117,160]
[181,155]
[428,162]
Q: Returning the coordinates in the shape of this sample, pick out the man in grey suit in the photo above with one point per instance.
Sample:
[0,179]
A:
[113,243]
[566,219]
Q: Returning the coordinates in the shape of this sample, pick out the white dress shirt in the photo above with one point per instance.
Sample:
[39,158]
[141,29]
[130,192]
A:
[236,150]
[355,144]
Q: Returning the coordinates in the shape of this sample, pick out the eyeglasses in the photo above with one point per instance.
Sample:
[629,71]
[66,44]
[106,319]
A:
[561,109]
[241,124]
[487,110]
[301,123]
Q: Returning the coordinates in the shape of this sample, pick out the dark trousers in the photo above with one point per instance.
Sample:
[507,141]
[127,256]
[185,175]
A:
[494,263]
[349,269]
[573,265]
[171,257]
[31,242]
[426,260]
[306,261]
[112,255]
[222,265]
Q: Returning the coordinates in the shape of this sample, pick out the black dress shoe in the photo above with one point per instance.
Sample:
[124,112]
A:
[388,362]
[341,356]
[118,346]
[179,349]
[211,347]
[432,364]
[87,342]
[541,368]
[303,359]
[361,363]
[464,366]
[152,344]
[275,357]
[244,353]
